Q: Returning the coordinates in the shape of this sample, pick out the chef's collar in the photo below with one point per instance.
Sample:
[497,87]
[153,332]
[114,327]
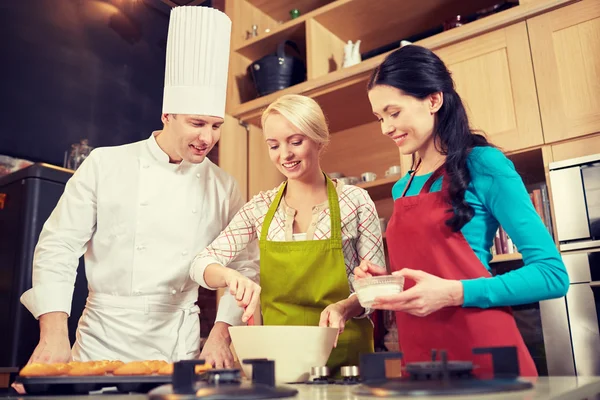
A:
[163,158]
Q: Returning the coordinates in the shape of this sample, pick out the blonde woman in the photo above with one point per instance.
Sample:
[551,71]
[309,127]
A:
[312,233]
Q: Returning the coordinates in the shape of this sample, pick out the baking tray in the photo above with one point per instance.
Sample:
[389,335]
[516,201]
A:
[86,384]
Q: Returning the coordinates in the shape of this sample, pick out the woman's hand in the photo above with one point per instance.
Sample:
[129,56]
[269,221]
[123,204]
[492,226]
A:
[245,291]
[335,316]
[367,269]
[429,294]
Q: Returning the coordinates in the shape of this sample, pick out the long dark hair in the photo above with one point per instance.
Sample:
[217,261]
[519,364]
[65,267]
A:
[418,72]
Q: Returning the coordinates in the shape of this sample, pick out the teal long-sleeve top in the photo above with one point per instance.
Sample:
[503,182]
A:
[498,197]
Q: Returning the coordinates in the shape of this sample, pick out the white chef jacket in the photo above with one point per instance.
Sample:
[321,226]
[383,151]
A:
[139,220]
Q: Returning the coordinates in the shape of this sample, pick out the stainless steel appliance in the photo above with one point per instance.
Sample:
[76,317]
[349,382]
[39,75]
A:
[571,325]
[576,197]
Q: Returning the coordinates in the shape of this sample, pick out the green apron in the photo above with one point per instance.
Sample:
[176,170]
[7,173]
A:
[300,278]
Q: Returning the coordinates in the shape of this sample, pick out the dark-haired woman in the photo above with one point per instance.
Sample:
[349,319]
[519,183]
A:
[446,212]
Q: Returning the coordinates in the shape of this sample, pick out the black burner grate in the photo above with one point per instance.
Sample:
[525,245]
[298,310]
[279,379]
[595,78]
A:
[440,377]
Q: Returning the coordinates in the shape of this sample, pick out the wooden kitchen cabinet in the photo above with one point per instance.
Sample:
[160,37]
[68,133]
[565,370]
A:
[576,148]
[490,59]
[262,173]
[493,74]
[233,152]
[565,46]
[244,154]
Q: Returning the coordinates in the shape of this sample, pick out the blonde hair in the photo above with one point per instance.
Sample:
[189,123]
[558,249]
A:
[302,112]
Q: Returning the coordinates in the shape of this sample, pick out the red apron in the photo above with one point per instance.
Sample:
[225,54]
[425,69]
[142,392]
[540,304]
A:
[419,238]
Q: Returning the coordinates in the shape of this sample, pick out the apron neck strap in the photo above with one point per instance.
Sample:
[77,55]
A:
[436,174]
[427,186]
[412,175]
[334,211]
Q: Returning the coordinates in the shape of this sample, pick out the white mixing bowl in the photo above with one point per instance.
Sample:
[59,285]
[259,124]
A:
[295,349]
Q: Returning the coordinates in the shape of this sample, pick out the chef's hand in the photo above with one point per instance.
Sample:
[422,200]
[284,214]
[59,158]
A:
[335,315]
[54,345]
[18,387]
[367,269]
[244,290]
[429,294]
[216,350]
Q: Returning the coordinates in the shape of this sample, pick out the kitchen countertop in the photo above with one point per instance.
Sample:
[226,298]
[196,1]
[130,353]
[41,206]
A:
[555,388]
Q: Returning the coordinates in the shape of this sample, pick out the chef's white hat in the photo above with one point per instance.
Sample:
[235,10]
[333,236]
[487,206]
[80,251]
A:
[197,61]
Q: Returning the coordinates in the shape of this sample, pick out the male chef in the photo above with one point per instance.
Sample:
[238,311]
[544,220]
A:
[140,212]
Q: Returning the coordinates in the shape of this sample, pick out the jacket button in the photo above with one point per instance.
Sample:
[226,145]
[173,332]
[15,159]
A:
[173,291]
[194,211]
[184,253]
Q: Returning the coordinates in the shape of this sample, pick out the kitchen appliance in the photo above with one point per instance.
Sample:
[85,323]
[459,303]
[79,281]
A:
[350,375]
[572,324]
[222,383]
[444,377]
[226,384]
[30,195]
[575,188]
[580,328]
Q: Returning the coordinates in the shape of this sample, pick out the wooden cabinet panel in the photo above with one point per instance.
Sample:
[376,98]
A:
[493,74]
[262,174]
[565,45]
[233,152]
[576,148]
[360,149]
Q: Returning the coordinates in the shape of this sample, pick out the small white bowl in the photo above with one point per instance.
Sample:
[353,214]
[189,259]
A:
[367,289]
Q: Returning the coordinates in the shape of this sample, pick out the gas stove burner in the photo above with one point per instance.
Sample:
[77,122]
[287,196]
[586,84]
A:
[393,388]
[222,376]
[350,375]
[319,376]
[440,377]
[220,384]
[435,370]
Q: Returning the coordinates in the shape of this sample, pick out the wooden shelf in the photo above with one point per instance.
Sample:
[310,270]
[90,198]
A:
[279,10]
[350,83]
[380,188]
[370,20]
[260,46]
[506,257]
[361,19]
